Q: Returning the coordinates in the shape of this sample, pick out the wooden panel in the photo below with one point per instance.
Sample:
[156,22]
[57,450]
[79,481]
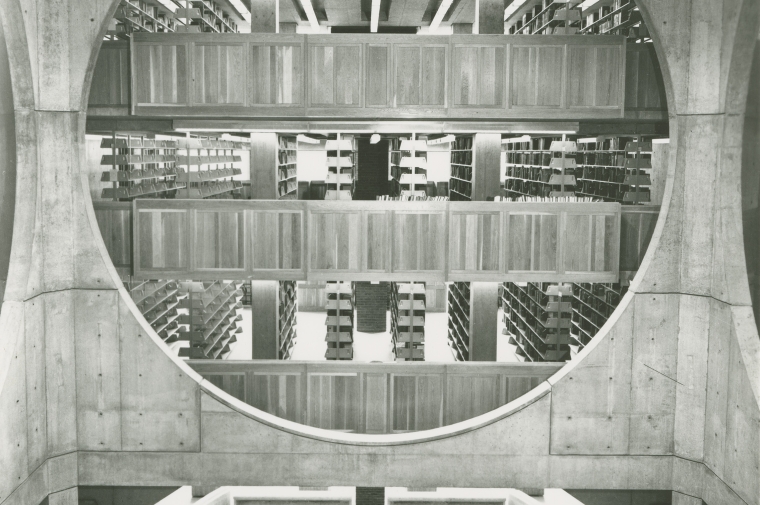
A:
[348,75]
[375,403]
[537,76]
[217,74]
[110,79]
[161,240]
[276,394]
[376,398]
[234,384]
[581,68]
[371,241]
[219,240]
[376,232]
[322,75]
[434,75]
[333,401]
[160,75]
[417,402]
[475,242]
[407,88]
[478,76]
[288,80]
[469,396]
[335,241]
[608,76]
[419,243]
[115,223]
[636,229]
[378,75]
[643,83]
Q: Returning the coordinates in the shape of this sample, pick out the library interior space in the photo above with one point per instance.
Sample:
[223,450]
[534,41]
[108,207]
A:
[370,252]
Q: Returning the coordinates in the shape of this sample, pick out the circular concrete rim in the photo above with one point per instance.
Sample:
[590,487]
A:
[459,428]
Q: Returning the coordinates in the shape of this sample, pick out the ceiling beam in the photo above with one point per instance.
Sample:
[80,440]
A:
[375,17]
[442,10]
[310,15]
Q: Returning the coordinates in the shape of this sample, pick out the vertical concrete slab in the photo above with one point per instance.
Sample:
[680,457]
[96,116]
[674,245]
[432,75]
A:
[716,401]
[60,372]
[684,499]
[66,497]
[704,89]
[7,163]
[13,456]
[591,405]
[36,389]
[98,376]
[263,16]
[160,404]
[653,382]
[265,309]
[691,376]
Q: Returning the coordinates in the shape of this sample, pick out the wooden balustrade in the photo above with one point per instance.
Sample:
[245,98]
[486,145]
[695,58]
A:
[375,398]
[371,241]
[378,76]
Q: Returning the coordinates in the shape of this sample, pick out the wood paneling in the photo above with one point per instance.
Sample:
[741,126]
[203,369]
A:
[217,76]
[110,79]
[375,398]
[115,223]
[644,89]
[377,75]
[160,74]
[369,241]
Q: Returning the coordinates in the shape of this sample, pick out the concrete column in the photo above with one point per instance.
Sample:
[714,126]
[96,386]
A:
[490,17]
[265,312]
[264,166]
[483,320]
[487,172]
[7,163]
[371,306]
[264,16]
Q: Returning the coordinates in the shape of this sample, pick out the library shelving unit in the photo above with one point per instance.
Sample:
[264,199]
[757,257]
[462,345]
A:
[287,173]
[408,320]
[206,167]
[209,318]
[539,166]
[593,304]
[615,169]
[462,166]
[141,16]
[139,166]
[613,17]
[208,16]
[542,17]
[341,168]
[158,301]
[459,320]
[288,310]
[408,167]
[340,321]
[537,318]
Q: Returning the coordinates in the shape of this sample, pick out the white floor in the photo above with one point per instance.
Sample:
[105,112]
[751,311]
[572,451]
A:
[310,342]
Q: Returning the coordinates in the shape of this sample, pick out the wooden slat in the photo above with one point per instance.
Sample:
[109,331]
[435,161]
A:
[375,398]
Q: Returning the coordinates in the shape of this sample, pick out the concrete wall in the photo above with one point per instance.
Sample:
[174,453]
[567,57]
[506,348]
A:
[7,163]
[665,398]
[751,183]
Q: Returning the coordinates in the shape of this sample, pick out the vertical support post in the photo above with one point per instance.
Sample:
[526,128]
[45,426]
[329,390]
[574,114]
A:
[484,306]
[265,312]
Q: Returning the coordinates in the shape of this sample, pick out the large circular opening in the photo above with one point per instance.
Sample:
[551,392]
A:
[211,228]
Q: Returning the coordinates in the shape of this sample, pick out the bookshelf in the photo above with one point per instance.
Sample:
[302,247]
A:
[615,169]
[158,302]
[209,318]
[287,171]
[537,318]
[208,16]
[288,311]
[341,168]
[539,166]
[206,167]
[542,17]
[408,304]
[133,16]
[462,168]
[340,321]
[612,17]
[459,320]
[593,304]
[408,167]
[139,167]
